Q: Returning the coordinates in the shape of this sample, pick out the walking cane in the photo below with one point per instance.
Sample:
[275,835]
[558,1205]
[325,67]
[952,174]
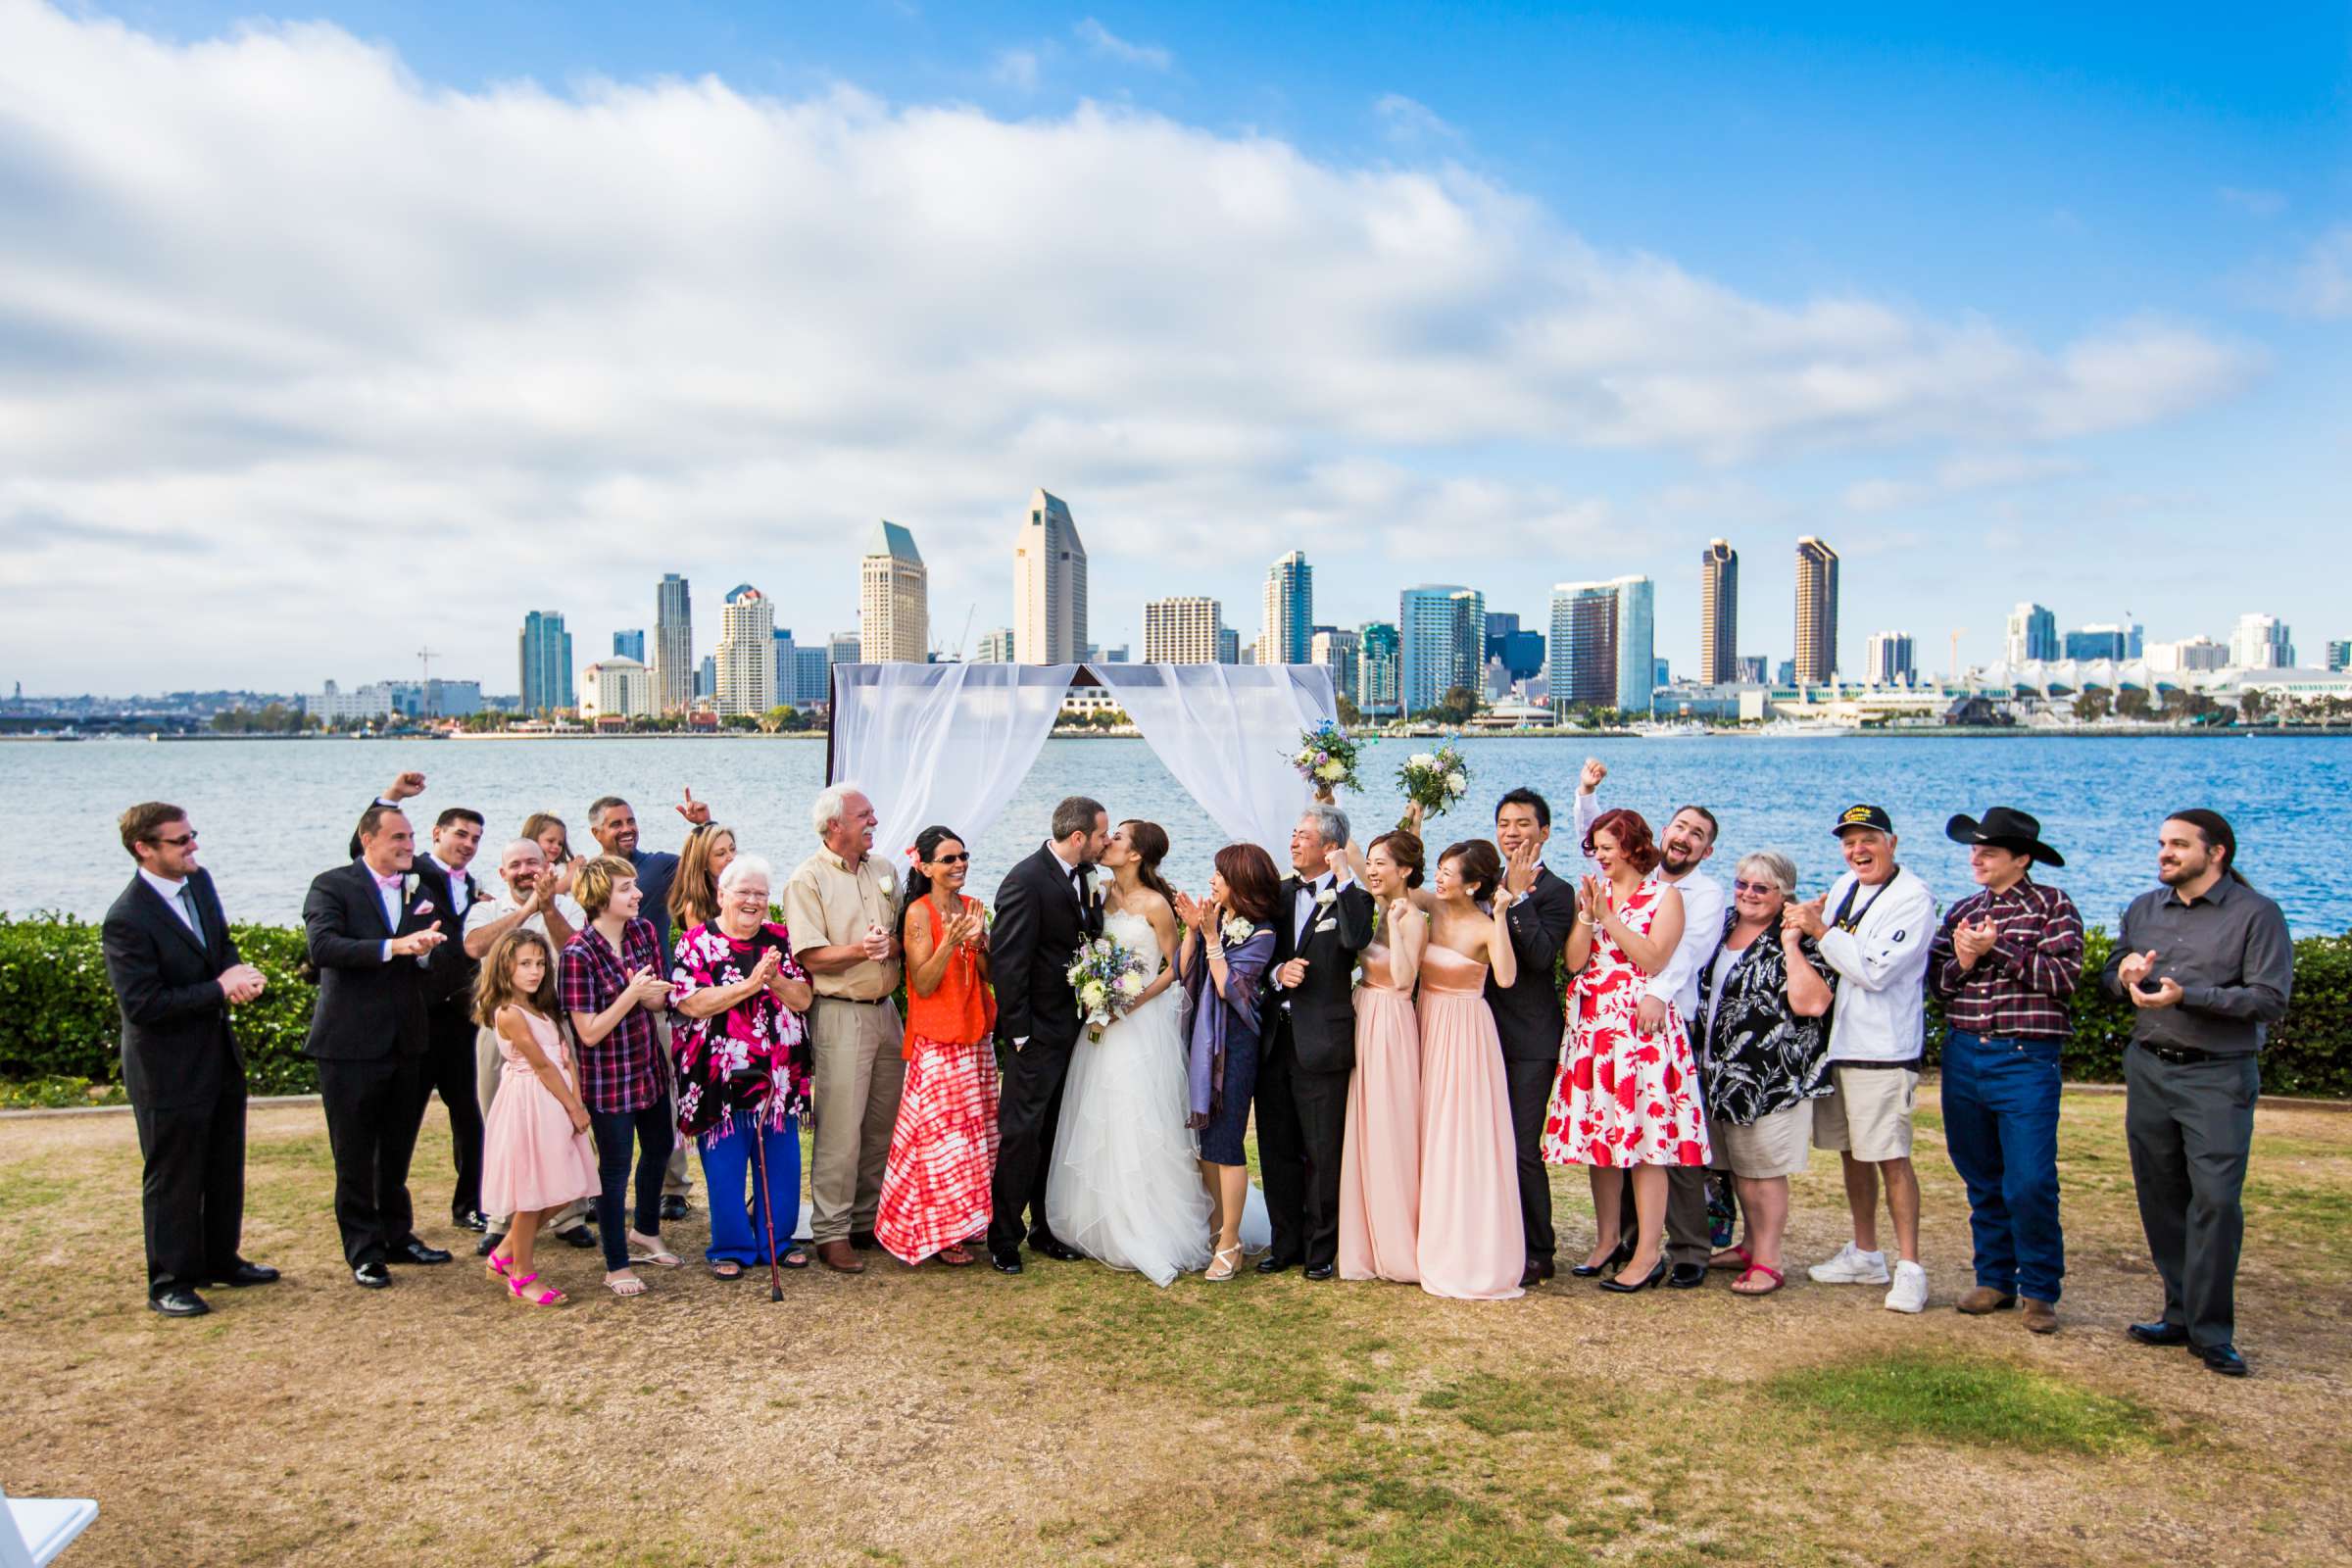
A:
[767,1212]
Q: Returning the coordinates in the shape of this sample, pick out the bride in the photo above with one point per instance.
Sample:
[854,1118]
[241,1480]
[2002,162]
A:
[1125,1187]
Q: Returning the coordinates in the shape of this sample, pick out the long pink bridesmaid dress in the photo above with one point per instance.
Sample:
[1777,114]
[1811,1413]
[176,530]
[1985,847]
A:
[1470,1245]
[1380,1170]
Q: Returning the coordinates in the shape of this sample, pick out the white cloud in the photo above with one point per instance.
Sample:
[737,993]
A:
[1017,69]
[308,326]
[2253,202]
[1102,41]
[1411,122]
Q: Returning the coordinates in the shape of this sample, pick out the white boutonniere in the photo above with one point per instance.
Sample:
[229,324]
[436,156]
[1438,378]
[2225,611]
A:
[1327,898]
[408,885]
[1235,930]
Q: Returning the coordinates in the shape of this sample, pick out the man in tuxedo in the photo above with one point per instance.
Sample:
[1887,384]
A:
[176,974]
[372,927]
[1045,906]
[449,1027]
[1528,1014]
[1324,921]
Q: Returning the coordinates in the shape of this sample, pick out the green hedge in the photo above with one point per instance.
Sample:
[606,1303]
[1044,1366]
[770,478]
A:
[57,1018]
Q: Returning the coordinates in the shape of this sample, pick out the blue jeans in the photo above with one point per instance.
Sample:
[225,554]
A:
[2001,1122]
[649,1129]
[739,1223]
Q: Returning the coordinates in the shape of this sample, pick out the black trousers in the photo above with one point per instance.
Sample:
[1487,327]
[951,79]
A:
[450,1072]
[1302,1128]
[2189,1127]
[1689,1238]
[1529,1080]
[192,1184]
[1027,1112]
[373,1112]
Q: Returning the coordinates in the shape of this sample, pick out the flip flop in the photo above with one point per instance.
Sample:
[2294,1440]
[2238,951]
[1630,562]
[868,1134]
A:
[726,1268]
[657,1254]
[1722,1259]
[630,1287]
[955,1256]
[1775,1274]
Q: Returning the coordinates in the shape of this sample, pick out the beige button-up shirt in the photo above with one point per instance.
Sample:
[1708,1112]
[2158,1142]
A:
[826,904]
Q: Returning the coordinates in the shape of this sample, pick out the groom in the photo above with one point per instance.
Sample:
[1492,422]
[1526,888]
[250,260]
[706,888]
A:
[1322,921]
[1045,906]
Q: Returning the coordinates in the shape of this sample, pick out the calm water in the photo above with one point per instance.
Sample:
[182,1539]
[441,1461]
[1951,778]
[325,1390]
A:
[274,813]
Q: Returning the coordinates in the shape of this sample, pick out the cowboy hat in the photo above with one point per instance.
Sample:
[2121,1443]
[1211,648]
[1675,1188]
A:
[2004,829]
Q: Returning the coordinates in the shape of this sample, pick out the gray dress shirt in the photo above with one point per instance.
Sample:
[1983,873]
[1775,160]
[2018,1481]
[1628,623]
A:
[2229,950]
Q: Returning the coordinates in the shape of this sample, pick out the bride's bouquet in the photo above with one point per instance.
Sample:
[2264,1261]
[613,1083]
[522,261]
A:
[1435,780]
[1108,977]
[1326,758]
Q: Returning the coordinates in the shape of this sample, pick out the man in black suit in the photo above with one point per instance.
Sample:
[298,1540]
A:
[176,974]
[449,1026]
[1324,921]
[373,926]
[1528,1014]
[1045,906]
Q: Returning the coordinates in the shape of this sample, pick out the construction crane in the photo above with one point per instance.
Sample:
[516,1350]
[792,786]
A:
[964,635]
[424,661]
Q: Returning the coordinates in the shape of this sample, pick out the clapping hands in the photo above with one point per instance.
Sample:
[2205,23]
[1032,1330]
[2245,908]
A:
[648,989]
[416,943]
[1972,939]
[240,983]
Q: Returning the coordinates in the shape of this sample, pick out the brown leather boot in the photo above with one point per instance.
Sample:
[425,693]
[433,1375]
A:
[2041,1317]
[1979,1300]
[839,1257]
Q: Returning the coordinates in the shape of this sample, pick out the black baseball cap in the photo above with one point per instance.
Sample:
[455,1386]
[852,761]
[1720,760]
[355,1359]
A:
[1863,816]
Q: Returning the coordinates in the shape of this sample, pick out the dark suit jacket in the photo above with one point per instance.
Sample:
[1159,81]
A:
[448,976]
[1527,1013]
[178,1043]
[1038,927]
[1322,1010]
[368,1010]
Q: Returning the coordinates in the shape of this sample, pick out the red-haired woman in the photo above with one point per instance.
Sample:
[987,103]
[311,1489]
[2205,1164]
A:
[1624,1098]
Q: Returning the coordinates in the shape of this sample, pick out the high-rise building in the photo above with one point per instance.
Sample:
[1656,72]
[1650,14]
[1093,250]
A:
[1334,648]
[1229,646]
[2032,636]
[996,646]
[2188,654]
[1816,611]
[1604,643]
[2101,642]
[1520,653]
[811,676]
[1718,613]
[629,644]
[1049,586]
[1750,670]
[1786,676]
[745,682]
[894,599]
[2339,655]
[1440,643]
[1289,611]
[1376,650]
[618,687]
[2261,642]
[845,648]
[705,679]
[1185,630]
[545,647]
[674,644]
[1888,658]
[784,649]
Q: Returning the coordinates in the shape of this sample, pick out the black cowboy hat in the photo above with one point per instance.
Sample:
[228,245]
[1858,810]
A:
[2004,829]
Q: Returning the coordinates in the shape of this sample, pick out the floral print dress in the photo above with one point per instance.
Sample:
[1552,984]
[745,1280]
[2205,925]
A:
[714,1054]
[1622,1100]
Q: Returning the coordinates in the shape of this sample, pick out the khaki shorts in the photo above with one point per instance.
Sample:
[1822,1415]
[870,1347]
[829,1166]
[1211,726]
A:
[1869,1115]
[1776,1144]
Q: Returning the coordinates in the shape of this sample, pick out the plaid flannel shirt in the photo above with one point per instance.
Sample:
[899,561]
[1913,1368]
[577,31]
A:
[2019,988]
[623,1071]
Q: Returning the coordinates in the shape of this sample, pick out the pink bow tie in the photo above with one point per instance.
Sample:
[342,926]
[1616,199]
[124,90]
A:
[388,883]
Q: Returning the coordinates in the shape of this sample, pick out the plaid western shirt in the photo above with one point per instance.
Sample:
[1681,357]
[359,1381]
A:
[2019,988]
[623,1070]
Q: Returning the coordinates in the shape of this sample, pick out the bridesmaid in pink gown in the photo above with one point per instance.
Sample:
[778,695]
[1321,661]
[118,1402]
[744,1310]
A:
[1379,1172]
[1471,1245]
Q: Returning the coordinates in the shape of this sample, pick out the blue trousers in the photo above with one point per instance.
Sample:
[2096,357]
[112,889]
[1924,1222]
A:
[2001,1122]
[731,1186]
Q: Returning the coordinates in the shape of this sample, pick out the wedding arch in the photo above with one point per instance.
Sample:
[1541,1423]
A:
[952,743]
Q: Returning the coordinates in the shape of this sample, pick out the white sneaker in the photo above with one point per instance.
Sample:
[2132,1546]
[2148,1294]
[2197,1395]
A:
[1910,1292]
[1851,1266]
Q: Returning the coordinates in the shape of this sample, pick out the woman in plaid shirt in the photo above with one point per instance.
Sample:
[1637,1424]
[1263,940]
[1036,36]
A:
[2005,962]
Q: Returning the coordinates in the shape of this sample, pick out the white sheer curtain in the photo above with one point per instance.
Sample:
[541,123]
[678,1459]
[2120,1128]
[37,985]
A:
[1226,732]
[940,743]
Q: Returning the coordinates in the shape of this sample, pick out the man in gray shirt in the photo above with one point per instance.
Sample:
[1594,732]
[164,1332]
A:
[2208,963]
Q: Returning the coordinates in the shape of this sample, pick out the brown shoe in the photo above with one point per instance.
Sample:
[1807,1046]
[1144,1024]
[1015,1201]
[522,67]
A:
[2041,1317]
[839,1257]
[1979,1300]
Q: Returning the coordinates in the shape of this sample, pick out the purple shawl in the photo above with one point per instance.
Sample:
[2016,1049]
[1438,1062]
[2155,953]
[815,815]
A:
[1218,1019]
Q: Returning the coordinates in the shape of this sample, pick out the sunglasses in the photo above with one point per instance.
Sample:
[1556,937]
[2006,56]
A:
[952,859]
[187,838]
[1739,886]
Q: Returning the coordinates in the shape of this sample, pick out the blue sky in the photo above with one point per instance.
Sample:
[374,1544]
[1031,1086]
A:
[2002,303]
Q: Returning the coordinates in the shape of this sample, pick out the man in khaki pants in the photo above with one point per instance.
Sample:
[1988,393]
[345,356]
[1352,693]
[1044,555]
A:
[842,908]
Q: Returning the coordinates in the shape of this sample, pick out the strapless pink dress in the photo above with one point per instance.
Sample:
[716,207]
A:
[1470,1244]
[1380,1170]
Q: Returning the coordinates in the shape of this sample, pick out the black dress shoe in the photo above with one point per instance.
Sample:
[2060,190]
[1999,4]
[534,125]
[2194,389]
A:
[1549,1268]
[1006,1262]
[673,1207]
[1616,1261]
[1055,1247]
[1531,1276]
[863,1240]
[178,1300]
[582,1237]
[375,1276]
[244,1274]
[1686,1276]
[2222,1358]
[1656,1273]
[413,1251]
[2159,1332]
[1275,1263]
[489,1242]
[1320,1271]
[473,1219]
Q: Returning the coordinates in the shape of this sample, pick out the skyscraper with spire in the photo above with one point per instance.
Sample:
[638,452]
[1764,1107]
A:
[1718,614]
[894,599]
[1816,611]
[1049,586]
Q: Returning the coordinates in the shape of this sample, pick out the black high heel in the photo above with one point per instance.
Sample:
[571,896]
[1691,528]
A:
[1656,1273]
[1617,1260]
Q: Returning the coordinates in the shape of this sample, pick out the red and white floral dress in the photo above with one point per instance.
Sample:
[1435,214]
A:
[1622,1100]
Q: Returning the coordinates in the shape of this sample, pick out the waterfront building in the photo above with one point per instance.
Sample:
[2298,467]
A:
[894,599]
[545,648]
[1887,660]
[1440,643]
[2188,654]
[1662,672]
[1114,654]
[361,702]
[2031,636]
[996,646]
[1229,646]
[745,680]
[2339,655]
[2108,641]
[1816,610]
[1520,651]
[1049,585]
[1749,670]
[1186,629]
[811,676]
[785,652]
[1288,625]
[705,679]
[1786,676]
[674,644]
[1718,613]
[1602,644]
[618,687]
[1334,648]
[1376,656]
[2261,642]
[629,644]
[845,648]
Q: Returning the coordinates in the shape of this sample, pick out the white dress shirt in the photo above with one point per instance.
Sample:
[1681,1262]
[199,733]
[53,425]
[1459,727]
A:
[169,892]
[1703,904]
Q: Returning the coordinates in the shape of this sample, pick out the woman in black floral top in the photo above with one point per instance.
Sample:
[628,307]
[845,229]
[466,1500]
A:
[1763,1043]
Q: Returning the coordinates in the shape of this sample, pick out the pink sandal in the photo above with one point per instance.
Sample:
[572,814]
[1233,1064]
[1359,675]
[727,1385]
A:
[1747,1259]
[498,1266]
[1758,1268]
[518,1287]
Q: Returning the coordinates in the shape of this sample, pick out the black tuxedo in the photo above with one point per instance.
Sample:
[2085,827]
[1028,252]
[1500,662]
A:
[370,1035]
[185,1075]
[1528,1016]
[1302,1078]
[1041,919]
[449,1027]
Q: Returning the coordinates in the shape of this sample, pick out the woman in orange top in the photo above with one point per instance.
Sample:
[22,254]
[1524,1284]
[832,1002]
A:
[944,1151]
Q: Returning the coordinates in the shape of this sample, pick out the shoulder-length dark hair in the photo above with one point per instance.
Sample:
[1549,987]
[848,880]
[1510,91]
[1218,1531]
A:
[926,848]
[1251,880]
[1478,867]
[495,987]
[1150,842]
[1633,839]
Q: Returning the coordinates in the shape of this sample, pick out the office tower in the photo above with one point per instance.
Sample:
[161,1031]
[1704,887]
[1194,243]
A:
[1750,670]
[1500,623]
[2261,642]
[546,653]
[786,683]
[1049,586]
[1786,676]
[1441,643]
[894,599]
[1334,648]
[2098,642]
[1188,630]
[629,644]
[1886,661]
[674,644]
[1289,611]
[618,687]
[2032,635]
[705,679]
[745,676]
[2188,654]
[1604,643]
[2339,656]
[1816,611]
[845,648]
[1229,646]
[811,675]
[1376,654]
[1520,653]
[996,646]
[1117,654]
[1718,613]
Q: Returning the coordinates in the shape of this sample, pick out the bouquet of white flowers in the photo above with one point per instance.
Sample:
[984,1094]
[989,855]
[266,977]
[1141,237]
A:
[1435,780]
[1108,977]
[1326,758]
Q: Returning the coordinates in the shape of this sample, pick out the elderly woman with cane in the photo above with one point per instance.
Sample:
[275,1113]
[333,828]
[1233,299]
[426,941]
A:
[743,1060]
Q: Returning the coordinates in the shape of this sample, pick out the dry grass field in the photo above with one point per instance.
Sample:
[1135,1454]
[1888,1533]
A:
[1074,1415]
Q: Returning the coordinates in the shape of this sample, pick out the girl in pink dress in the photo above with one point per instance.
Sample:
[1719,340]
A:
[536,1155]
[1625,1098]
[1380,1169]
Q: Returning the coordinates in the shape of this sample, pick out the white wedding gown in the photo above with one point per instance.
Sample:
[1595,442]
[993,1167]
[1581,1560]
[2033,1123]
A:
[1125,1188]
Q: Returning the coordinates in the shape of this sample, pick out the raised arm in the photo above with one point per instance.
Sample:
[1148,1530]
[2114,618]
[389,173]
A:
[1503,952]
